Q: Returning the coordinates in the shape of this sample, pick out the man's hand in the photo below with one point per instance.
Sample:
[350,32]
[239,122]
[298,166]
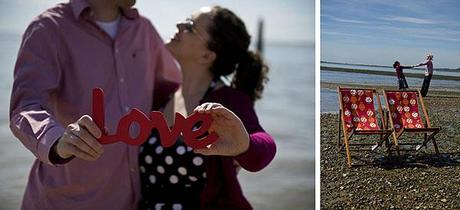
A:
[80,140]
[233,138]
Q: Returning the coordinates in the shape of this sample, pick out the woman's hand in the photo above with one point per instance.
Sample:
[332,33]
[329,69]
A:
[233,138]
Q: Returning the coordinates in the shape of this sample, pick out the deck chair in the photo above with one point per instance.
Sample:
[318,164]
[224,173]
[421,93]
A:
[357,116]
[405,117]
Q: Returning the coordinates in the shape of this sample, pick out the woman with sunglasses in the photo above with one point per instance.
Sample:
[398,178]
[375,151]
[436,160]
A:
[209,46]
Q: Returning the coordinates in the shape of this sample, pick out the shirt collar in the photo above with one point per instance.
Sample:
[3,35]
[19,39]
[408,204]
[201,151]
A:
[80,6]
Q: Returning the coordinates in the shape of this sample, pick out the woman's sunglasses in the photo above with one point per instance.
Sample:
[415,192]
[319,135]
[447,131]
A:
[189,25]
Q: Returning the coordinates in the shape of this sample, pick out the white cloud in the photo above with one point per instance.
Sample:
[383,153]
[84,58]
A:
[436,38]
[410,20]
[344,20]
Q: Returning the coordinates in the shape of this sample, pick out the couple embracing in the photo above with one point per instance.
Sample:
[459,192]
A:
[77,46]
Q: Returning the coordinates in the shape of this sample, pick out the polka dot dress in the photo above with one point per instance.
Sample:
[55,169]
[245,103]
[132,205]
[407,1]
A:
[171,178]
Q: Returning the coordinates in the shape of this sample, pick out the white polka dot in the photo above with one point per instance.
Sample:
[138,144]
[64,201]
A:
[189,149]
[159,150]
[152,179]
[148,159]
[142,168]
[204,174]
[160,169]
[192,178]
[177,206]
[153,140]
[159,206]
[173,179]
[168,160]
[182,171]
[180,150]
[197,161]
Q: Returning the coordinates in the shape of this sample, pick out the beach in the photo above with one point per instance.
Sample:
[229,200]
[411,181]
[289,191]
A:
[414,180]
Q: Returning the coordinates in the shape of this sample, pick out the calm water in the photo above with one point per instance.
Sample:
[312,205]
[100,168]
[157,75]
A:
[419,70]
[286,111]
[329,101]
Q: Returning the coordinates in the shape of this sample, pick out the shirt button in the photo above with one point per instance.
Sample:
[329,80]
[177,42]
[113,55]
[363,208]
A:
[126,108]
[122,80]
[131,169]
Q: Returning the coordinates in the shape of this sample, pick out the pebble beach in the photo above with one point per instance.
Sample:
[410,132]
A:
[413,180]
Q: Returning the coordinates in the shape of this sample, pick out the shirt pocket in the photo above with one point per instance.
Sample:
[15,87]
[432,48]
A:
[136,65]
[137,59]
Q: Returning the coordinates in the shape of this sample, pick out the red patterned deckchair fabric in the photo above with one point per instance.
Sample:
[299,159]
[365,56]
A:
[404,110]
[358,116]
[358,109]
[405,115]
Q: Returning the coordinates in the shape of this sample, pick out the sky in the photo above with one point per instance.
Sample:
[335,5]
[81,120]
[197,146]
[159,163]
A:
[285,21]
[382,31]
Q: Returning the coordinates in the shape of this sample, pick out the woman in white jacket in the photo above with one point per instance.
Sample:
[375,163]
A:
[428,63]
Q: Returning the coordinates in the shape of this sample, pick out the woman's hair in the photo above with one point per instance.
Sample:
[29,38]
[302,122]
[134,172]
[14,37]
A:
[230,41]
[395,64]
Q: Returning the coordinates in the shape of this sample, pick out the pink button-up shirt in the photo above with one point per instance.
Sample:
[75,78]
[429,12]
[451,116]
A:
[63,56]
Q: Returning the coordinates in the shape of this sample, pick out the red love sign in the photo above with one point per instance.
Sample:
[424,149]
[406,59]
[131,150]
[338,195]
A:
[192,137]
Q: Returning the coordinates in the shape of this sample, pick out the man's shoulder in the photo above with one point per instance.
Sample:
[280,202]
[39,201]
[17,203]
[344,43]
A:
[53,17]
[50,21]
[147,24]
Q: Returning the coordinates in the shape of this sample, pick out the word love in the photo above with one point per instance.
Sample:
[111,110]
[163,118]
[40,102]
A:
[193,137]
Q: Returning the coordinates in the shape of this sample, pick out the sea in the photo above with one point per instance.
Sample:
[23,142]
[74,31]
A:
[286,111]
[329,101]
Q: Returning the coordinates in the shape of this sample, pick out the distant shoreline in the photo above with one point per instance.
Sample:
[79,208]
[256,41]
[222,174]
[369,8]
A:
[388,67]
[387,73]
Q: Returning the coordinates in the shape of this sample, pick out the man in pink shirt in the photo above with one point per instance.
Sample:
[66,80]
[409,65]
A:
[66,52]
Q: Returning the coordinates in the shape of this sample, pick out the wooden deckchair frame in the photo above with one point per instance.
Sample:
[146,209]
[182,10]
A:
[383,132]
[429,132]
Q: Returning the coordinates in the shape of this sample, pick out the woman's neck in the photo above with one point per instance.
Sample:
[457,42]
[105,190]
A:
[195,82]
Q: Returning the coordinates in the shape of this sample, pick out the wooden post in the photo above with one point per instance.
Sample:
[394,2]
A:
[260,39]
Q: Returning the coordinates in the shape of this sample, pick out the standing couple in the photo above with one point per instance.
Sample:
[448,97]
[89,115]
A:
[402,83]
[77,46]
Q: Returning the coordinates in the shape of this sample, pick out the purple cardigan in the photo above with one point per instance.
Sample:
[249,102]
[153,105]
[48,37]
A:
[223,190]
